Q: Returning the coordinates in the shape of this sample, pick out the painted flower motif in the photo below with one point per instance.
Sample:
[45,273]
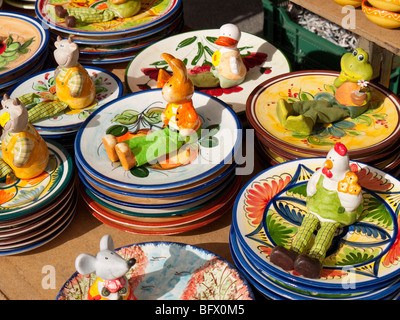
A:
[260,195]
[254,59]
[363,83]
[335,129]
[372,181]
[6,196]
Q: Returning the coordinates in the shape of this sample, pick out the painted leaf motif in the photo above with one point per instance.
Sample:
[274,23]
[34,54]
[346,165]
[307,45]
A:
[372,181]
[393,254]
[376,212]
[279,230]
[371,231]
[349,256]
[290,213]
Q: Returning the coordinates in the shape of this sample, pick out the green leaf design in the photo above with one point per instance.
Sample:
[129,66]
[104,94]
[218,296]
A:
[299,190]
[350,256]
[364,119]
[377,212]
[305,95]
[40,87]
[186,42]
[117,130]
[126,117]
[211,39]
[314,140]
[140,172]
[280,231]
[153,116]
[209,142]
[200,52]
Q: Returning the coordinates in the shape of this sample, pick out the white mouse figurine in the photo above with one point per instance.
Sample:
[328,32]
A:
[110,268]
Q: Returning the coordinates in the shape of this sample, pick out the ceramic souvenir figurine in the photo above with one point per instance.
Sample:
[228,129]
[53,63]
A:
[82,16]
[350,99]
[74,86]
[110,269]
[179,117]
[25,152]
[334,200]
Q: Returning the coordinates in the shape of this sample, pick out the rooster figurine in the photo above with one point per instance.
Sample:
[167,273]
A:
[334,200]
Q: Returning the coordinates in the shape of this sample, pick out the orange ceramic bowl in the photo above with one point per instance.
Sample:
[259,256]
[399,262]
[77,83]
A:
[383,18]
[354,3]
[389,5]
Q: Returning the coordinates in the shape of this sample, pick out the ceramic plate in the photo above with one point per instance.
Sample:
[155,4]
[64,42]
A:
[224,129]
[23,197]
[25,41]
[171,271]
[368,133]
[269,210]
[108,87]
[152,13]
[195,48]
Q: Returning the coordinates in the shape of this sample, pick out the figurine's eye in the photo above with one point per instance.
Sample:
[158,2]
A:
[355,52]
[360,57]
[105,292]
[106,258]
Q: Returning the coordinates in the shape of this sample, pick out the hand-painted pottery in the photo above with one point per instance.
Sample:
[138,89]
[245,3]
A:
[219,142]
[389,5]
[383,18]
[152,13]
[171,271]
[24,41]
[270,208]
[108,87]
[196,48]
[367,134]
[21,197]
[287,290]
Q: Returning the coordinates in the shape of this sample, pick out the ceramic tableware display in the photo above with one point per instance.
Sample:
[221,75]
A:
[107,38]
[361,261]
[167,271]
[23,47]
[382,13]
[196,49]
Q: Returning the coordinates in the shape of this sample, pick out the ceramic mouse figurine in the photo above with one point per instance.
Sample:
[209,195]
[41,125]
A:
[24,150]
[180,119]
[74,86]
[115,9]
[334,200]
[350,99]
[110,268]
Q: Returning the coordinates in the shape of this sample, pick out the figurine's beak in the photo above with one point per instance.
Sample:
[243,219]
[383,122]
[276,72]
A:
[226,41]
[328,164]
[4,118]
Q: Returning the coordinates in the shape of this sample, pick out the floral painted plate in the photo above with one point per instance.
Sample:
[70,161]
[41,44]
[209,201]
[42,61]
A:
[152,13]
[108,87]
[221,139]
[270,208]
[22,197]
[369,133]
[171,271]
[196,48]
[23,41]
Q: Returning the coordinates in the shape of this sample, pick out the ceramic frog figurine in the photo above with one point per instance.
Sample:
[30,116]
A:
[350,99]
[334,200]
[24,151]
[74,86]
[110,268]
[181,123]
[82,16]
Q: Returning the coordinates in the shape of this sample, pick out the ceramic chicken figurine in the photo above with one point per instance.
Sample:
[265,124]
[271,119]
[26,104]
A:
[334,200]
[350,99]
[24,150]
[74,86]
[110,268]
[227,61]
[82,16]
[179,117]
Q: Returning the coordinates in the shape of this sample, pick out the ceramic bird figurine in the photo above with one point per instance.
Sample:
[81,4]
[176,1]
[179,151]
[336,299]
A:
[111,282]
[24,150]
[227,61]
[180,119]
[74,86]
[334,200]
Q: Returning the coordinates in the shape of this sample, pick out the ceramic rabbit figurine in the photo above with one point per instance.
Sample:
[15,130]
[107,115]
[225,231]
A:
[110,268]
[74,86]
[179,117]
[334,200]
[24,150]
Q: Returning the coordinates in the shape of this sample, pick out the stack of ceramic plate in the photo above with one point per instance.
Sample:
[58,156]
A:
[64,126]
[173,195]
[35,211]
[21,4]
[362,262]
[180,272]
[196,48]
[117,40]
[23,47]
[372,137]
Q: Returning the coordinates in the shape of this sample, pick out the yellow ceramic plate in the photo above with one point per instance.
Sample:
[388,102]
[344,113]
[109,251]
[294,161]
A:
[370,132]
[382,18]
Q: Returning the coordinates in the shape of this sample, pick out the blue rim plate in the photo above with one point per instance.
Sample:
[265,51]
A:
[32,24]
[281,205]
[108,86]
[41,10]
[91,155]
[172,275]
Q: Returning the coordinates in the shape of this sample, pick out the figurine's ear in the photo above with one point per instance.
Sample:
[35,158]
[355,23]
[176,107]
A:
[56,43]
[73,46]
[179,69]
[85,263]
[106,243]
